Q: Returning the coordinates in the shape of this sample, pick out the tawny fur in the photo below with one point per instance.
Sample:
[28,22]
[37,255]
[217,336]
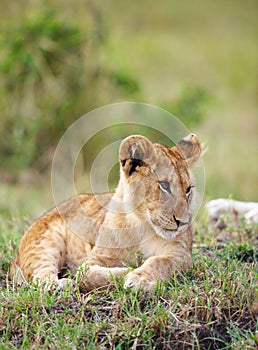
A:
[95,236]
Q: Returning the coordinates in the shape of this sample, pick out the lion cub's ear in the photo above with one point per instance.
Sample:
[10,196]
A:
[135,151]
[190,147]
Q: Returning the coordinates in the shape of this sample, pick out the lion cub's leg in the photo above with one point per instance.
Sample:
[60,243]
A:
[157,268]
[92,277]
[42,254]
[98,269]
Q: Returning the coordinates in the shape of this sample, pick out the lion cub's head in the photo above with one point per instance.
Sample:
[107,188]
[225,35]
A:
[158,178]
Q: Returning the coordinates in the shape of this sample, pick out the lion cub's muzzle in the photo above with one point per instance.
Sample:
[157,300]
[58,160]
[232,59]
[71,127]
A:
[170,224]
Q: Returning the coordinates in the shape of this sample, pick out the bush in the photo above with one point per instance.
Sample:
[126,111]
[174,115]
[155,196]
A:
[51,74]
[190,105]
[39,58]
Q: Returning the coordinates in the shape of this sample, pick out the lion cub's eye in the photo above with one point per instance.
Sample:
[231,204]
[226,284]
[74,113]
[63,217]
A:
[188,190]
[165,186]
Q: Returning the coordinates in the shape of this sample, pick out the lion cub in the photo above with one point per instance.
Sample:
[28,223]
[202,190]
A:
[94,236]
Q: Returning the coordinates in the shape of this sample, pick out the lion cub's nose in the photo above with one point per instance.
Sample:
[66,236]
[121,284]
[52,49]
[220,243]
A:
[176,221]
[179,223]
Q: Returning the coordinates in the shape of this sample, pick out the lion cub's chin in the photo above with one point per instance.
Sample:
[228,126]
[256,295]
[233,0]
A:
[167,234]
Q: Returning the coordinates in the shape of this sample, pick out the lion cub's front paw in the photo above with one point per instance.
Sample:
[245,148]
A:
[137,280]
[65,283]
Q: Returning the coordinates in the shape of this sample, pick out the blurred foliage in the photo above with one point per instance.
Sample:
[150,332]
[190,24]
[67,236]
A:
[38,75]
[190,106]
[59,60]
[51,74]
[39,43]
[121,78]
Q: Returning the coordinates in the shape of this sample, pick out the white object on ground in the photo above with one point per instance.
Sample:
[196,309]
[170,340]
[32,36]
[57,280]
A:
[249,210]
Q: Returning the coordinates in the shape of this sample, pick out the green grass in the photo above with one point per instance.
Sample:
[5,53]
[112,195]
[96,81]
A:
[214,306]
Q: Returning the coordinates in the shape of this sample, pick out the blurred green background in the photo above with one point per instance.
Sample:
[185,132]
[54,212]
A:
[58,60]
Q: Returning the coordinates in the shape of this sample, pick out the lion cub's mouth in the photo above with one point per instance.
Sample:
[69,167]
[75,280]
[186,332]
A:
[169,233]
